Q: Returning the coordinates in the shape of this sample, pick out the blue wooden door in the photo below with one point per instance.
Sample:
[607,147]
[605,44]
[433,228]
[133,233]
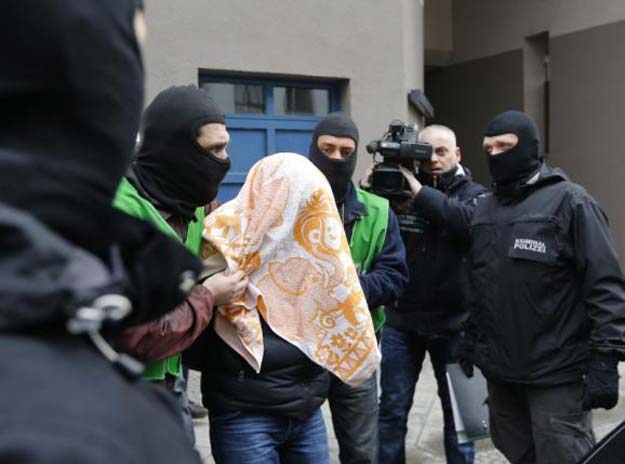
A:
[265,117]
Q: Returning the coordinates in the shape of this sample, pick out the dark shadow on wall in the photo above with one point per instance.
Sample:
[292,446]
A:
[588,116]
[467,95]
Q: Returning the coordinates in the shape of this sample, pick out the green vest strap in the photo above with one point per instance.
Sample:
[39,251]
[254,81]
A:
[368,236]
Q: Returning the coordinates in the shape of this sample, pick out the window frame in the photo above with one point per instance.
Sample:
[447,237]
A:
[268,84]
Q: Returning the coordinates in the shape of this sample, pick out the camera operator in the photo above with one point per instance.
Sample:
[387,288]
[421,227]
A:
[434,219]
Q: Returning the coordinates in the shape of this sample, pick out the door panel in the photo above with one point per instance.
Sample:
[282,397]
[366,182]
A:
[265,116]
[246,147]
[293,141]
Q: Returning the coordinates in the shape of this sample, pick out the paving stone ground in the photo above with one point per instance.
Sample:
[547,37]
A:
[424,443]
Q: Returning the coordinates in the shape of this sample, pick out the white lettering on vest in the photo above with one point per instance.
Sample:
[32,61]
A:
[530,245]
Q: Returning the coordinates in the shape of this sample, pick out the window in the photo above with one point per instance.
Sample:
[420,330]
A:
[267,116]
[298,100]
[237,98]
[243,96]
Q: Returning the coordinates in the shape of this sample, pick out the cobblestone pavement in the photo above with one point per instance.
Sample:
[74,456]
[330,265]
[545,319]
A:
[424,443]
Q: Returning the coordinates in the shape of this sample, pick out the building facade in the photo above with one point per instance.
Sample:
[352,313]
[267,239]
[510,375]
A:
[562,61]
[278,66]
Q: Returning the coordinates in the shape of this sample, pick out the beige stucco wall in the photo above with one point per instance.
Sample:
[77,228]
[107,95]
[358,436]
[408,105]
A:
[488,27]
[375,44]
[586,97]
[438,31]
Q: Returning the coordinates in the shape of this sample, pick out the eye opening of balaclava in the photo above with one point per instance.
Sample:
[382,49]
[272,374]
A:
[516,165]
[174,169]
[338,172]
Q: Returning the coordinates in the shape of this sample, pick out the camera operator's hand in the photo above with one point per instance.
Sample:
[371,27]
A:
[365,181]
[415,185]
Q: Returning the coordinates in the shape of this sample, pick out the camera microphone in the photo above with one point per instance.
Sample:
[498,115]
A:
[372,147]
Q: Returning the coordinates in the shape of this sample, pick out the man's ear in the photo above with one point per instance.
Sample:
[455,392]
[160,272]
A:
[459,154]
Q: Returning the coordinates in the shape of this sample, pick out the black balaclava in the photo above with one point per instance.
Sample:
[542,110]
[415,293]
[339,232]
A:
[71,92]
[338,172]
[513,167]
[171,166]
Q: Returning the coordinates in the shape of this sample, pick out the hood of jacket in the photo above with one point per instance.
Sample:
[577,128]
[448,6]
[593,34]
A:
[44,278]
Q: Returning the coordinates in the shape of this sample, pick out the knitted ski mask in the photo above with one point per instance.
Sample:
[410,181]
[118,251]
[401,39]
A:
[171,166]
[338,172]
[516,165]
[71,92]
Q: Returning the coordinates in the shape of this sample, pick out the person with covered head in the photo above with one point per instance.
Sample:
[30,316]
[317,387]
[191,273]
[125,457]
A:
[175,176]
[72,266]
[547,324]
[379,255]
[268,352]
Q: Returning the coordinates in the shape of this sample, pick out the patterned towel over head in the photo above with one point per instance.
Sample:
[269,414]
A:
[284,231]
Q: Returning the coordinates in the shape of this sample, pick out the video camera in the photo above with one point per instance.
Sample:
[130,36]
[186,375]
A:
[398,146]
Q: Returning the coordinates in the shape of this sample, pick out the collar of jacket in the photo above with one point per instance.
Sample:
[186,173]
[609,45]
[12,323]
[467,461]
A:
[546,175]
[461,177]
[351,209]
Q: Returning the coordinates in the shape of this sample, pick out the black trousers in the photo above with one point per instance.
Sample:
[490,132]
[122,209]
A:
[540,425]
[355,420]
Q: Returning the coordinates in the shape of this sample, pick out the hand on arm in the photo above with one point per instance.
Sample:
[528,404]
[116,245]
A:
[177,330]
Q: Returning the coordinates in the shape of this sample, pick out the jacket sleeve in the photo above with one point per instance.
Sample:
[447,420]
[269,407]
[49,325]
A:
[172,333]
[388,274]
[603,285]
[448,213]
[470,327]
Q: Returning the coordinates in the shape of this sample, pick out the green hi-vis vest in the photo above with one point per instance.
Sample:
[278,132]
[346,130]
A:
[368,236]
[128,200]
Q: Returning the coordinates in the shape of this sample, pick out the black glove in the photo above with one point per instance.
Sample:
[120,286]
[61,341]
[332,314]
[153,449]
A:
[601,382]
[467,366]
[464,356]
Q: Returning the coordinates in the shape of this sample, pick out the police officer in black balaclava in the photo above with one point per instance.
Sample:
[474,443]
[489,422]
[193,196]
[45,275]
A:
[517,154]
[333,150]
[176,174]
[182,159]
[71,87]
[547,319]
[372,230]
[68,124]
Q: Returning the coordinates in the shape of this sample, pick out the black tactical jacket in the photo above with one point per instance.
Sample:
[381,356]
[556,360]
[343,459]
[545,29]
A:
[435,232]
[546,284]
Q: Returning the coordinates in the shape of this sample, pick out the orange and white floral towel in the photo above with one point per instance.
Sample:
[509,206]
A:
[284,231]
